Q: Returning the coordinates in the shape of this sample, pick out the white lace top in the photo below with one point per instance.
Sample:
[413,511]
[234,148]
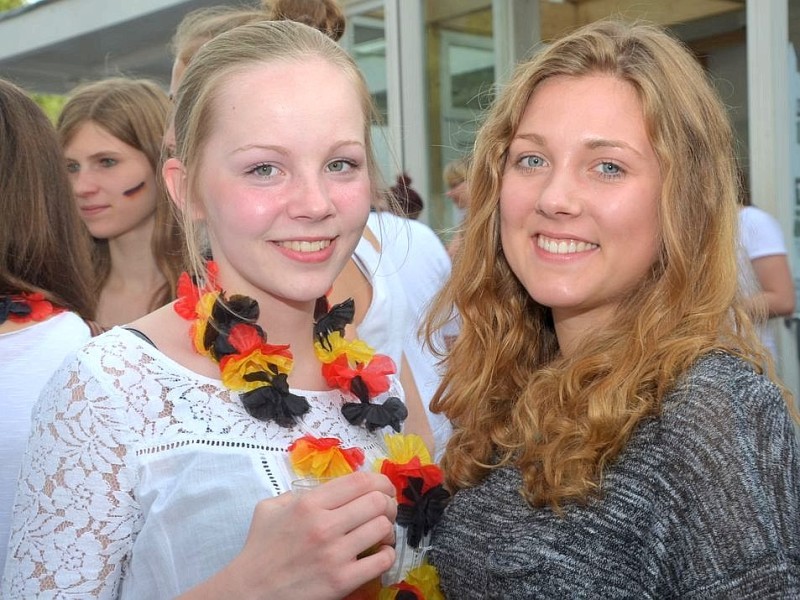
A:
[141,476]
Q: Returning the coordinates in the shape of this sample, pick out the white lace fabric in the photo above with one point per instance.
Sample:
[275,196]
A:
[141,477]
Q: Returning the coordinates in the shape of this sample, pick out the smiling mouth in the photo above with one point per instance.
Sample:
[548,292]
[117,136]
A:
[304,246]
[564,246]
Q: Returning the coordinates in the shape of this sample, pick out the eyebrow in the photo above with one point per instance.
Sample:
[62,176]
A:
[283,150]
[96,155]
[604,143]
[592,143]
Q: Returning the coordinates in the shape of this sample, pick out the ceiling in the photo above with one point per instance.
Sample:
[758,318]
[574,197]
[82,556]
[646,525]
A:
[53,45]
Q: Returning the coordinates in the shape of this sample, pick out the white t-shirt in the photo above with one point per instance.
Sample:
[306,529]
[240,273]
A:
[422,266]
[142,475]
[760,236]
[28,357]
[388,316]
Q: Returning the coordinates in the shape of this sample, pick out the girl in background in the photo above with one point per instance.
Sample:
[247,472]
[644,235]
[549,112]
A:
[112,133]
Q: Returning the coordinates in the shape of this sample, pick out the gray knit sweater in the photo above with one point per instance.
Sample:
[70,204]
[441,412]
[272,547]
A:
[704,502]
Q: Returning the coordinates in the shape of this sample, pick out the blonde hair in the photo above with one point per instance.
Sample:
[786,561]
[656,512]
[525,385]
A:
[234,52]
[135,112]
[455,172]
[512,397]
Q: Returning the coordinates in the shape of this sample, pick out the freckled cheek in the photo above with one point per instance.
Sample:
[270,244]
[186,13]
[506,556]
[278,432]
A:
[354,202]
[514,207]
[243,214]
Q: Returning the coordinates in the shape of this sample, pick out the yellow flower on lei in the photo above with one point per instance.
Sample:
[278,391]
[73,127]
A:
[198,330]
[323,457]
[402,448]
[425,578]
[234,367]
[357,351]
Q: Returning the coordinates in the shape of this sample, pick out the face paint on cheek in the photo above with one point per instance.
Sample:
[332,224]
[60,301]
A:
[130,193]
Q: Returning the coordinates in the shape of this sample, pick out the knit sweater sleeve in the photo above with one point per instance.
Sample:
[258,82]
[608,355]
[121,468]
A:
[734,485]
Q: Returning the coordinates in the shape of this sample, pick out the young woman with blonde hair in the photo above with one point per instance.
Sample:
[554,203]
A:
[383,317]
[615,432]
[161,454]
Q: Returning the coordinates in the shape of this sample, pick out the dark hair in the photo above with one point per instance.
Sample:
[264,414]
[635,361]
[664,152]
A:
[44,246]
[406,198]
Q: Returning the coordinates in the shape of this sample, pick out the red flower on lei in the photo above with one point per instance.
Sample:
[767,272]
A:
[27,306]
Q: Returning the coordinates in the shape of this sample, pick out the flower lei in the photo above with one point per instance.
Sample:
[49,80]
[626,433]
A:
[225,329]
[26,306]
[420,494]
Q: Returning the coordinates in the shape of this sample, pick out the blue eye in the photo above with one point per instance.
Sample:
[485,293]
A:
[531,162]
[73,167]
[339,166]
[610,170]
[264,170]
[108,162]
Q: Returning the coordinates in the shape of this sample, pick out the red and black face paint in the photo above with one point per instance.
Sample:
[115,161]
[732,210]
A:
[130,193]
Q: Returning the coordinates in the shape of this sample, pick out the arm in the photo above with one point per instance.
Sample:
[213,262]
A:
[777,296]
[74,513]
[735,462]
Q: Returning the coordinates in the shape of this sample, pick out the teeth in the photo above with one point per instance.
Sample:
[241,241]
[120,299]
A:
[306,246]
[564,246]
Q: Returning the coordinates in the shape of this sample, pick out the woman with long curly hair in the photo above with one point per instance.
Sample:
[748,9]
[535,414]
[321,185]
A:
[617,431]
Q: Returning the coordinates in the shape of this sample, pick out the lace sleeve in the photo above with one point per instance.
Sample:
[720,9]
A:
[74,512]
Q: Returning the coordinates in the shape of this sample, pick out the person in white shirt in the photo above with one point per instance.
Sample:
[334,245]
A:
[171,445]
[45,276]
[764,269]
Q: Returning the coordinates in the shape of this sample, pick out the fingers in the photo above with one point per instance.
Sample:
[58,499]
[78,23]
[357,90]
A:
[343,490]
[326,524]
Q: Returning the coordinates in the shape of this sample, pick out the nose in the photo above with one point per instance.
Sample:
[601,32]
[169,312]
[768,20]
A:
[559,194]
[83,184]
[312,199]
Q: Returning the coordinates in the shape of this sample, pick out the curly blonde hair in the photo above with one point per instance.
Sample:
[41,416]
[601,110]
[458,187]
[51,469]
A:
[512,397]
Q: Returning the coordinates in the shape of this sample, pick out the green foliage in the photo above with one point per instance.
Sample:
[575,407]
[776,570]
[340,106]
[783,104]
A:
[50,103]
[9,4]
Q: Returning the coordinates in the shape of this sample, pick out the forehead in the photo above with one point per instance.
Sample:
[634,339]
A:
[91,136]
[586,105]
[286,95]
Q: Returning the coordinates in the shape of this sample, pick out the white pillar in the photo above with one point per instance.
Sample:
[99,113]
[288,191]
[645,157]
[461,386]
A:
[770,124]
[406,98]
[517,29]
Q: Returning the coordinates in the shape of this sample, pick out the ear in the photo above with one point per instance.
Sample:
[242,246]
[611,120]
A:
[176,181]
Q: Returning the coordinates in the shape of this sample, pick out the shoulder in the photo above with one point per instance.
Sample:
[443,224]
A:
[722,423]
[726,391]
[725,382]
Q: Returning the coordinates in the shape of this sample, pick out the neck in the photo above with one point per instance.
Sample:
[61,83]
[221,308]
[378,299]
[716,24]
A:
[132,257]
